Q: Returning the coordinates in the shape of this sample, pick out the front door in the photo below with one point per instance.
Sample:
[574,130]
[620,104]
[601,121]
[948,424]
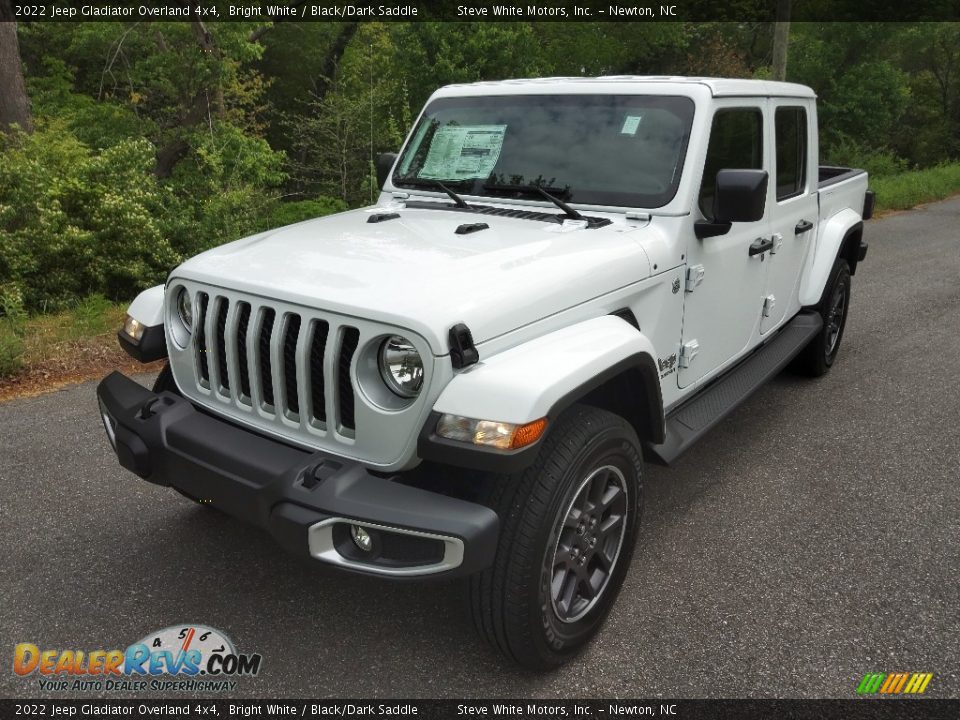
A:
[722,311]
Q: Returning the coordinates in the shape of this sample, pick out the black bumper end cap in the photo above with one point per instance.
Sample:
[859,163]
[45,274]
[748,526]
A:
[151,346]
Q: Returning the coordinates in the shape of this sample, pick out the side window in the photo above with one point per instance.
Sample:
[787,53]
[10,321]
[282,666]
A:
[736,143]
[790,128]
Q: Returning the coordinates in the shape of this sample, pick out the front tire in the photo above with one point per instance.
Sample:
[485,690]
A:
[569,524]
[818,357]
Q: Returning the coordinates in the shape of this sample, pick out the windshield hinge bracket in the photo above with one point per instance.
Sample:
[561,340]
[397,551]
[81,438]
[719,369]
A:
[688,351]
[463,353]
[695,275]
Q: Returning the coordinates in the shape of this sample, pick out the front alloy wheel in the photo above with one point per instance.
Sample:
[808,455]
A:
[589,542]
[568,526]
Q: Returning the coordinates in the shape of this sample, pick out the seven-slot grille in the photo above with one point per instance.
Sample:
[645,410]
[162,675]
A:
[290,367]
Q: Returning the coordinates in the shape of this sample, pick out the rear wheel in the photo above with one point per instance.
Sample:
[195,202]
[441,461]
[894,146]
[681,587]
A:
[818,357]
[568,527]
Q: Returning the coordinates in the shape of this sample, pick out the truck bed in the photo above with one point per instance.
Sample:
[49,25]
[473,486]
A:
[841,188]
[831,174]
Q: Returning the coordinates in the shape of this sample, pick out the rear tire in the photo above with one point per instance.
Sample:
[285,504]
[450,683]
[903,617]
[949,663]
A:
[568,527]
[818,357]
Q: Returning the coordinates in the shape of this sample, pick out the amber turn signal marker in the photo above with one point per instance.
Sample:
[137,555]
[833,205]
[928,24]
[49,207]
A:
[528,434]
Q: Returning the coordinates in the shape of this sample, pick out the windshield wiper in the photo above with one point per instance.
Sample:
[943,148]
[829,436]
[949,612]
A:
[426,183]
[537,190]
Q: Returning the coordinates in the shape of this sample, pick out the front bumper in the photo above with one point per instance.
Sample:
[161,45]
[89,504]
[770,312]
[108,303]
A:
[306,500]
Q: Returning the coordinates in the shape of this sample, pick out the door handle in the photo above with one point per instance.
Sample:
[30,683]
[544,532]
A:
[802,227]
[760,245]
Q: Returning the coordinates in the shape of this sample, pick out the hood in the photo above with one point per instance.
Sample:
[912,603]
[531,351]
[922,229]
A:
[416,272]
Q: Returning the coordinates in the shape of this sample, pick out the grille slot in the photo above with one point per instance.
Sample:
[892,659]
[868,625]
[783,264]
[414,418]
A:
[222,307]
[318,346]
[243,325]
[263,356]
[348,346]
[200,345]
[290,335]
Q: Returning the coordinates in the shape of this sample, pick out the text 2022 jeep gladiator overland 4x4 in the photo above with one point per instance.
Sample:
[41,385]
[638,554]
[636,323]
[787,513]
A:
[561,279]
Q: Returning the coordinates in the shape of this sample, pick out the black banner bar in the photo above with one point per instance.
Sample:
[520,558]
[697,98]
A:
[480,11]
[856,709]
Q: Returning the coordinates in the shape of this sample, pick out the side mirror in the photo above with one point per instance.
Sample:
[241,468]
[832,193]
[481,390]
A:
[384,163]
[739,196]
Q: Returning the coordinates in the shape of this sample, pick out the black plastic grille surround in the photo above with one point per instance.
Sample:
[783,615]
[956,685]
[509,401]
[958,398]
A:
[201,341]
[266,369]
[222,344]
[318,346]
[348,346]
[290,336]
[243,324]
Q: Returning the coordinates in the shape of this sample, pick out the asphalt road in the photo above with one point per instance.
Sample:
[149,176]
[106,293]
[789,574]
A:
[812,538]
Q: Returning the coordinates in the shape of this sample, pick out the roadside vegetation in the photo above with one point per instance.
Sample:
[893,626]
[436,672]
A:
[906,190]
[43,350]
[141,144]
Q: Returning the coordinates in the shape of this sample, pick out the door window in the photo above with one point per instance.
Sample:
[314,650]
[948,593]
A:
[790,128]
[736,143]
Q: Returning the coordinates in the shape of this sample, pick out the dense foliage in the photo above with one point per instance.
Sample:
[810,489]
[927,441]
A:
[154,141]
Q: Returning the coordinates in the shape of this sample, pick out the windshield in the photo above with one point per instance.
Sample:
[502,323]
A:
[621,150]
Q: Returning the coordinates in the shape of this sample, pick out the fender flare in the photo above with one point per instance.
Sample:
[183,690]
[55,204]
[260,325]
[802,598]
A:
[542,378]
[146,309]
[831,244]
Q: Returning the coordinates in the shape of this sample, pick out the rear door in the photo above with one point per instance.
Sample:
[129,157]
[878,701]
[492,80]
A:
[721,311]
[792,200]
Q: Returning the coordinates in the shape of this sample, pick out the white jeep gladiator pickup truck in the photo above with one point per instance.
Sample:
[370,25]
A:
[561,280]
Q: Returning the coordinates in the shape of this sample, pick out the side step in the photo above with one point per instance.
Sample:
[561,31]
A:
[689,422]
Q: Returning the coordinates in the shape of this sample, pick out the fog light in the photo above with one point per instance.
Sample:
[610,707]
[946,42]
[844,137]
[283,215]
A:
[361,538]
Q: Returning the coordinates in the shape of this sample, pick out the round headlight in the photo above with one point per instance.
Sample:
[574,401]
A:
[401,366]
[185,309]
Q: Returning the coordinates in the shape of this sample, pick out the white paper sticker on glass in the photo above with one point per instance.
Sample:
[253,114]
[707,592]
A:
[463,152]
[630,124]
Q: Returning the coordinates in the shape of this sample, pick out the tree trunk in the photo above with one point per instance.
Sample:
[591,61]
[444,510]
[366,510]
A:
[205,105]
[14,103]
[781,38]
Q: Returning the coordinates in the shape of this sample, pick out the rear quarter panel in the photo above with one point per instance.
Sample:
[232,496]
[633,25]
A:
[841,209]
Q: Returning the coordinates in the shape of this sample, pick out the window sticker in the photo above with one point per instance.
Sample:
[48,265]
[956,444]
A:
[463,152]
[631,123]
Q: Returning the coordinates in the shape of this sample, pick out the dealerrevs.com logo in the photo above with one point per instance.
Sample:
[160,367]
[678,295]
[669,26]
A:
[186,658]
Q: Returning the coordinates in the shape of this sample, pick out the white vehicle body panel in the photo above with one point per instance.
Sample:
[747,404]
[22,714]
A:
[147,307]
[416,272]
[522,384]
[837,218]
